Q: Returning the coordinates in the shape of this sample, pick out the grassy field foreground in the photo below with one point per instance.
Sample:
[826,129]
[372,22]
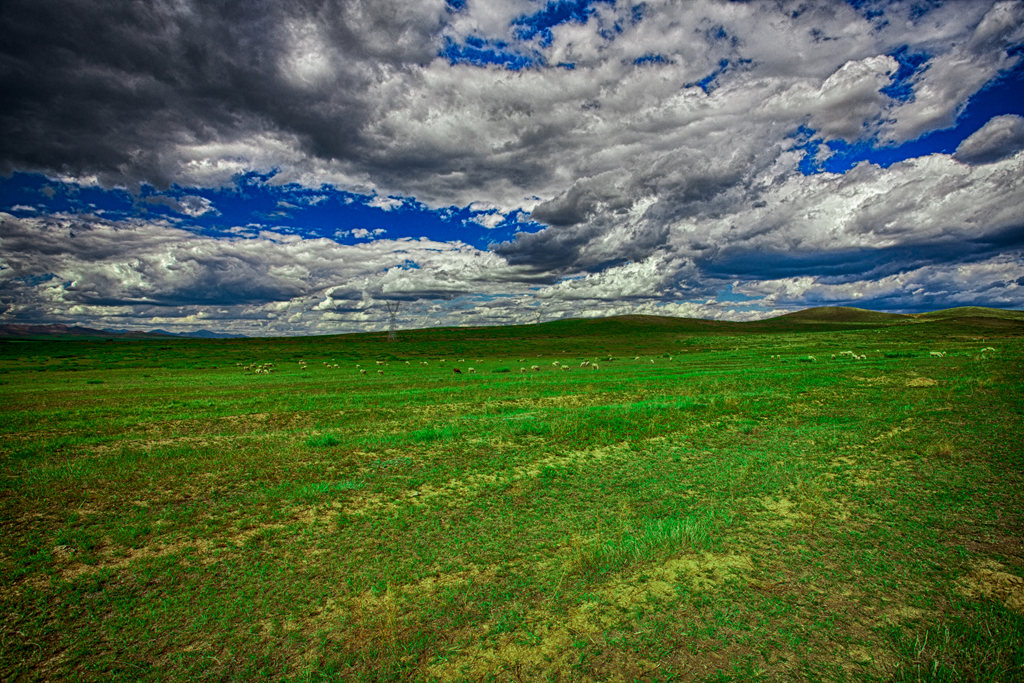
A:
[708,504]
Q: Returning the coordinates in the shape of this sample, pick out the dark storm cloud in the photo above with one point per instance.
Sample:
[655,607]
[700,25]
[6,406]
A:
[108,88]
[853,265]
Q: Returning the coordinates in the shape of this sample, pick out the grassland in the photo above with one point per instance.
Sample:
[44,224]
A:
[710,504]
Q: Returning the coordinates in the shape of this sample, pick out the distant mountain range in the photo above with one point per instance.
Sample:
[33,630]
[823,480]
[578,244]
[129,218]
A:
[22,331]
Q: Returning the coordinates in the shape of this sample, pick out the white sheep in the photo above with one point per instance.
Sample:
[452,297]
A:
[470,369]
[380,372]
[988,348]
[937,354]
[362,372]
[595,366]
[522,369]
[535,368]
[584,363]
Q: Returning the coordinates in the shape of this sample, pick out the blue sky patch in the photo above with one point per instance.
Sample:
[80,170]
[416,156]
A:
[481,52]
[911,65]
[554,13]
[253,204]
[650,59]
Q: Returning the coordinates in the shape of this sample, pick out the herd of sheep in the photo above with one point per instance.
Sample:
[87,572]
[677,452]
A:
[268,368]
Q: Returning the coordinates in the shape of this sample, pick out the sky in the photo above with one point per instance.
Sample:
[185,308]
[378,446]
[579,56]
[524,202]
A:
[282,168]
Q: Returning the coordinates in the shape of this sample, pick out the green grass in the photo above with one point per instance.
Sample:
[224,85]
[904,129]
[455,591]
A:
[729,511]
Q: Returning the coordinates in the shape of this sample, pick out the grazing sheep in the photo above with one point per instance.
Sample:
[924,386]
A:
[380,372]
[595,366]
[456,371]
[988,348]
[522,369]
[362,372]
[584,363]
[535,368]
[652,361]
[937,354]
[470,369]
[833,356]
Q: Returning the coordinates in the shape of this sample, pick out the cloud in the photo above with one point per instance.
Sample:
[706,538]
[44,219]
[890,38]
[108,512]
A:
[990,282]
[187,205]
[385,203]
[998,139]
[58,266]
[654,180]
[489,220]
[361,233]
[942,88]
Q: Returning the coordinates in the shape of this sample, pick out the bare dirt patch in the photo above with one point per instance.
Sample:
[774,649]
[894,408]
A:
[991,580]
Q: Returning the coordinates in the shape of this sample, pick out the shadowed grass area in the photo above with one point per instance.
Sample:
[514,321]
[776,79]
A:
[709,504]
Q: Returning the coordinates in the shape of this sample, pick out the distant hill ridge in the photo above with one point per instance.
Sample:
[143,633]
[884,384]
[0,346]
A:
[59,330]
[842,314]
[821,316]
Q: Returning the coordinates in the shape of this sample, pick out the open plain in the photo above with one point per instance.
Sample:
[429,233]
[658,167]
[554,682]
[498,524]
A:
[833,495]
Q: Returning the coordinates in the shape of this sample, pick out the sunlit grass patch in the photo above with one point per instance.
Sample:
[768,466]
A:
[322,441]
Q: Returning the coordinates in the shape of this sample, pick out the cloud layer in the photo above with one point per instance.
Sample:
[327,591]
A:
[657,146]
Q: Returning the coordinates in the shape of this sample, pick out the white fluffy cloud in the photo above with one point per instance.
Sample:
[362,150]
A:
[998,139]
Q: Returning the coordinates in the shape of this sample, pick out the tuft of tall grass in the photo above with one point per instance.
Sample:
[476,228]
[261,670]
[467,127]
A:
[653,538]
[322,441]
